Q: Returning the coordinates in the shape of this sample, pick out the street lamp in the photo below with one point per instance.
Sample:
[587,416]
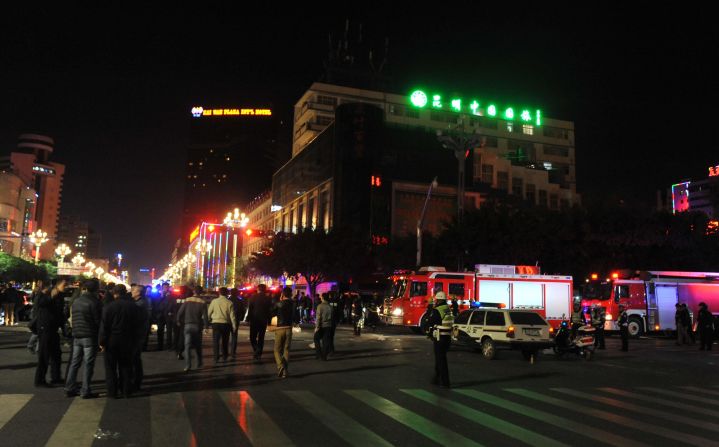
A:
[421,221]
[62,250]
[38,238]
[78,260]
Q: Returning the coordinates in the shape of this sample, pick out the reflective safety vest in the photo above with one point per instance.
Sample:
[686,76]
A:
[445,328]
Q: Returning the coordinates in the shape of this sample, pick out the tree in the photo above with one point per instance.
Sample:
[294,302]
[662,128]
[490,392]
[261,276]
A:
[19,270]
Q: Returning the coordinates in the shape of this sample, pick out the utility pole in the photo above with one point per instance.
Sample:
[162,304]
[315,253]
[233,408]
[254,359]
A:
[421,221]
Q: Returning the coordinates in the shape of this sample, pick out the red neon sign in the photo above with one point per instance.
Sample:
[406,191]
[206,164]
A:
[714,171]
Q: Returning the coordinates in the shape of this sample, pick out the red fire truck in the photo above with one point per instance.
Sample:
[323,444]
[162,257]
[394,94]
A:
[508,286]
[650,297]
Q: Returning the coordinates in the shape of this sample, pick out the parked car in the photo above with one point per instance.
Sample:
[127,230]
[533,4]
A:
[492,329]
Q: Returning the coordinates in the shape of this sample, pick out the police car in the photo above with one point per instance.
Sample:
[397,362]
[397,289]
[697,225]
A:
[490,329]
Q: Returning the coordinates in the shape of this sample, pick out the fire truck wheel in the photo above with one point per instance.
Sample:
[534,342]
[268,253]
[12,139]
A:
[489,351]
[635,327]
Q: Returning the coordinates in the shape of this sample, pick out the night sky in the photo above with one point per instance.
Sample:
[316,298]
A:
[114,88]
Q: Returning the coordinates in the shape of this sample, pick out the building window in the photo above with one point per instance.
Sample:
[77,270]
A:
[555,132]
[490,141]
[436,116]
[510,126]
[531,193]
[517,184]
[328,100]
[542,197]
[503,181]
[560,151]
[553,201]
[324,120]
[487,174]
[527,129]
[396,109]
[412,113]
[488,123]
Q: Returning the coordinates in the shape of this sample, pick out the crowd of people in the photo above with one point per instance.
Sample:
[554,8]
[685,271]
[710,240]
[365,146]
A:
[118,323]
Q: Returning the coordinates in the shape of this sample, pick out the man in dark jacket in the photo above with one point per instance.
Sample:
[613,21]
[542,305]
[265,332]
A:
[240,308]
[193,316]
[162,306]
[142,326]
[118,330]
[259,316]
[285,311]
[705,324]
[48,321]
[85,317]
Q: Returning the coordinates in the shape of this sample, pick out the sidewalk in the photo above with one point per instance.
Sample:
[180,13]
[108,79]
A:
[20,327]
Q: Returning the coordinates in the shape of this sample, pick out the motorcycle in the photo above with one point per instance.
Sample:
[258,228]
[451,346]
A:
[582,344]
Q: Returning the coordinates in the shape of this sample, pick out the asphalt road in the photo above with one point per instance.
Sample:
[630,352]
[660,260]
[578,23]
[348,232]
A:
[376,391]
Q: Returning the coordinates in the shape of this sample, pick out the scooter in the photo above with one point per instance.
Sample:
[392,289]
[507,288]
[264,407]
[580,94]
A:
[582,344]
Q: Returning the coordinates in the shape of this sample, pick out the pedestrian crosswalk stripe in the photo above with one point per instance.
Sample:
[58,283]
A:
[657,400]
[420,424]
[487,420]
[10,404]
[671,416]
[614,418]
[79,424]
[682,396]
[698,390]
[347,428]
[558,421]
[170,424]
[257,425]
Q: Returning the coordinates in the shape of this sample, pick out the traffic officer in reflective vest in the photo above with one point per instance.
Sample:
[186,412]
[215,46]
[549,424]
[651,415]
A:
[440,328]
[623,323]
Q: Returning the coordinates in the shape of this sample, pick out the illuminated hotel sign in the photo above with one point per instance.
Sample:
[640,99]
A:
[422,100]
[198,112]
[714,171]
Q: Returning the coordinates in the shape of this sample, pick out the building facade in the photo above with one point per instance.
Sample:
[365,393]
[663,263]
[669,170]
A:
[31,163]
[17,214]
[698,195]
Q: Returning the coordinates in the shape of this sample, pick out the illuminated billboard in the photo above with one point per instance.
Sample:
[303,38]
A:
[436,101]
[199,111]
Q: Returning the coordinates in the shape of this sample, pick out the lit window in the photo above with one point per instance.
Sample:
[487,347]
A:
[190,163]
[227,158]
[527,129]
[510,127]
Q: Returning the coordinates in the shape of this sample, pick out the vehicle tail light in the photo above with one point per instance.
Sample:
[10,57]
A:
[510,332]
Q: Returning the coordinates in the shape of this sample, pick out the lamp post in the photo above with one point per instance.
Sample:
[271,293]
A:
[461,145]
[421,221]
[78,260]
[202,247]
[235,220]
[62,250]
[38,238]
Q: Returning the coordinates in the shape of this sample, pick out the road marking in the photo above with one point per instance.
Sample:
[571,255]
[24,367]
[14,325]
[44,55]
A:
[682,395]
[614,418]
[256,424]
[487,420]
[170,423]
[657,400]
[700,390]
[642,410]
[79,424]
[347,428]
[10,404]
[421,425]
[549,418]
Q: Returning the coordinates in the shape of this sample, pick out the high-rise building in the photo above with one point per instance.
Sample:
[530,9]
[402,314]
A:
[31,163]
[232,155]
[698,195]
[17,213]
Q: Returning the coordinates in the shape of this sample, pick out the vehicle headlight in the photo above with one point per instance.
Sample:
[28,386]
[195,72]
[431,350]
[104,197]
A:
[397,312]
[608,317]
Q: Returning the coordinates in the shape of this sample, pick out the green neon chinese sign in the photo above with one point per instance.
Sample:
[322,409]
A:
[421,100]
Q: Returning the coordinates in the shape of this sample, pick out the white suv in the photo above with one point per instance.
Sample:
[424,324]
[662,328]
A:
[490,329]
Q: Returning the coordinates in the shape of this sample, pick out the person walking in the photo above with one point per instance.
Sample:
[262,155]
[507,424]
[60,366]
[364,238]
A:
[259,316]
[178,324]
[284,310]
[323,325]
[11,299]
[687,318]
[193,315]
[333,301]
[142,327]
[118,334]
[32,341]
[160,310]
[681,324]
[705,323]
[85,318]
[599,315]
[223,321]
[47,323]
[357,315]
[239,307]
[623,324]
